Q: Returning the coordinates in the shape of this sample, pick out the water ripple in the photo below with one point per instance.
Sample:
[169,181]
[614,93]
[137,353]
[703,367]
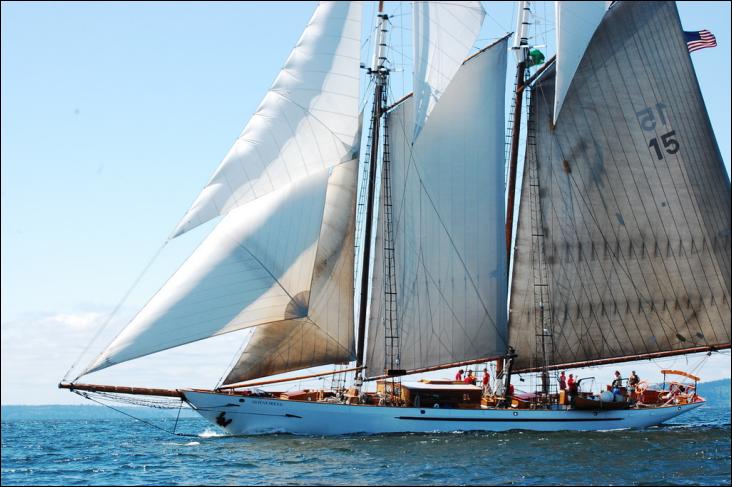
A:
[123,452]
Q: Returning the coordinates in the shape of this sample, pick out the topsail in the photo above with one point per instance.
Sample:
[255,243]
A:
[444,33]
[576,21]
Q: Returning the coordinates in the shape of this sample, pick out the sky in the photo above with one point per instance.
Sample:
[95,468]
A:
[114,115]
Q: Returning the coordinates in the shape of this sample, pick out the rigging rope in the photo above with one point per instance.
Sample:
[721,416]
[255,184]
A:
[115,311]
[235,358]
[88,396]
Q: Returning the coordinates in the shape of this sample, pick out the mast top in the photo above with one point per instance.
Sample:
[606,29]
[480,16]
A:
[521,40]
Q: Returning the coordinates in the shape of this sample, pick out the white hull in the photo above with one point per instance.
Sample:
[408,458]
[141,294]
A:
[251,415]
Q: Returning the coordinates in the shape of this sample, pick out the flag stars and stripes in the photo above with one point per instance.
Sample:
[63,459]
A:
[699,40]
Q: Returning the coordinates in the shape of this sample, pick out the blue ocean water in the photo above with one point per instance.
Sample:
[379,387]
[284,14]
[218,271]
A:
[113,449]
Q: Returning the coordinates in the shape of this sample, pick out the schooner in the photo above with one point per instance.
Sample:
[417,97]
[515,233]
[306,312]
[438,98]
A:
[621,250]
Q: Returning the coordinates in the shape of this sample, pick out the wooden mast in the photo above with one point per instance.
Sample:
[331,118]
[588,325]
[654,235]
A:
[520,47]
[379,73]
[513,157]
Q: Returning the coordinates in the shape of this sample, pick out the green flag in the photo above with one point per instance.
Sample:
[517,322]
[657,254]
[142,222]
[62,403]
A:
[535,57]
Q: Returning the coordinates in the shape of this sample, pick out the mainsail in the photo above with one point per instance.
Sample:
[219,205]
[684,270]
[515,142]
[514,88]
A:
[308,120]
[624,227]
[448,215]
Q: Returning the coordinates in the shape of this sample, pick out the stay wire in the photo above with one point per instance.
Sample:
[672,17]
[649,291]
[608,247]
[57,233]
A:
[114,312]
[87,396]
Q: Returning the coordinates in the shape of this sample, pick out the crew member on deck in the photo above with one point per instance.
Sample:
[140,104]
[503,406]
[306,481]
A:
[486,380]
[617,383]
[562,381]
[571,389]
[470,378]
[633,381]
[459,375]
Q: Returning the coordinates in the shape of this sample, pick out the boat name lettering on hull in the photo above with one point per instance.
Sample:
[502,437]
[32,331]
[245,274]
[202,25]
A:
[266,403]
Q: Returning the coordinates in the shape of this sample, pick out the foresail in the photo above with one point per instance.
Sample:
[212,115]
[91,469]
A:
[576,21]
[448,219]
[634,200]
[309,119]
[443,34]
[266,262]
[326,334]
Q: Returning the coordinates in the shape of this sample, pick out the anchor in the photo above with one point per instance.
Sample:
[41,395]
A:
[222,421]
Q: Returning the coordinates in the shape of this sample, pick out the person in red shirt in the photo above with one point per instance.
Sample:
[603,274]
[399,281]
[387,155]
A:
[459,375]
[486,379]
[562,381]
[470,378]
[571,385]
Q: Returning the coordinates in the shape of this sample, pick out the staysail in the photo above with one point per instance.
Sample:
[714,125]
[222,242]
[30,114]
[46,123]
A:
[448,214]
[326,334]
[631,201]
[309,119]
[444,34]
[278,260]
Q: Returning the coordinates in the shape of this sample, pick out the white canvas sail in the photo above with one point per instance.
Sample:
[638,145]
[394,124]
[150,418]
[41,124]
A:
[443,34]
[268,261]
[448,207]
[307,121]
[326,334]
[575,24]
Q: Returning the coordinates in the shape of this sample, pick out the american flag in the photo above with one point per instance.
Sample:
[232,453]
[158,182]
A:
[699,40]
